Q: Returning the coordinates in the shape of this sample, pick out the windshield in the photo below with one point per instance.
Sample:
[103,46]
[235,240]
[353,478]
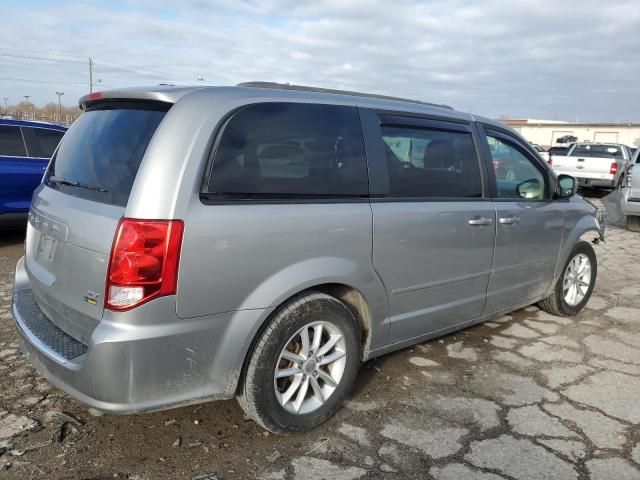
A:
[602,151]
[99,156]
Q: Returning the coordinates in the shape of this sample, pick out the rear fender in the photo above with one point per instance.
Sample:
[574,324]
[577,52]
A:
[295,278]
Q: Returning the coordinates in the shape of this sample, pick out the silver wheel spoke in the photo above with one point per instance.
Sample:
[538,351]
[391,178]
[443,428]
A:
[332,357]
[293,357]
[317,337]
[328,379]
[329,345]
[288,372]
[304,337]
[302,392]
[317,390]
[286,396]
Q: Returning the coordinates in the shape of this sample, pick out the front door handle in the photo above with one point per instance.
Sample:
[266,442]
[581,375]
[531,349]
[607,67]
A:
[509,220]
[480,221]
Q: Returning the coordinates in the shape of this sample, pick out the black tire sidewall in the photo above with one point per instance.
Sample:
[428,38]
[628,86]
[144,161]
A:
[580,248]
[289,321]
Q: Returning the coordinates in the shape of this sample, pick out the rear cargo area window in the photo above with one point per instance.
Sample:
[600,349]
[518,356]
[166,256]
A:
[289,149]
[100,154]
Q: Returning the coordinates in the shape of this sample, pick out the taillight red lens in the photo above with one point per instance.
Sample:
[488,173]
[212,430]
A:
[614,168]
[144,262]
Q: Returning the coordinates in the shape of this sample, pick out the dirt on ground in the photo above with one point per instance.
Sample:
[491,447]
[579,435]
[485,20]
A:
[527,396]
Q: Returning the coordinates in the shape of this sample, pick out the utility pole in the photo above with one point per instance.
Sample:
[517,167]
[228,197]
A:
[26,99]
[60,93]
[6,110]
[90,75]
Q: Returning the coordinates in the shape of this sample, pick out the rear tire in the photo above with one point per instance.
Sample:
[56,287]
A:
[633,223]
[284,359]
[570,301]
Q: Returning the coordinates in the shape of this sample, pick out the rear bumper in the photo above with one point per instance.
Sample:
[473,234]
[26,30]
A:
[146,360]
[628,204]
[589,179]
[596,183]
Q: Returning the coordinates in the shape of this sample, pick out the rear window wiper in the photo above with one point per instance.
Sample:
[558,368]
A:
[63,181]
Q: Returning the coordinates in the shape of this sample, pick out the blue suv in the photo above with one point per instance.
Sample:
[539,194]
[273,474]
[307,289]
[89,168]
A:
[25,150]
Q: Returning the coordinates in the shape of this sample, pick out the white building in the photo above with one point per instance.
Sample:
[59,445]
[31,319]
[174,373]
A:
[546,132]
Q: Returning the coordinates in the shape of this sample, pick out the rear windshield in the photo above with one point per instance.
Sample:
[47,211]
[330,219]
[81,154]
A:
[602,151]
[99,156]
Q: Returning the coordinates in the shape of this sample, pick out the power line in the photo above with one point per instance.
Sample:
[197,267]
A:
[33,57]
[143,70]
[111,65]
[39,52]
[10,79]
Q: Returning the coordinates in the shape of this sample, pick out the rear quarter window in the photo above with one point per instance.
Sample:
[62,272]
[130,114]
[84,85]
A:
[100,154]
[46,141]
[11,142]
[289,149]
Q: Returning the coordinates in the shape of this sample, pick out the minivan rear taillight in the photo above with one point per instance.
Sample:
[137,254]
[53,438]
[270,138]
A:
[143,263]
[614,168]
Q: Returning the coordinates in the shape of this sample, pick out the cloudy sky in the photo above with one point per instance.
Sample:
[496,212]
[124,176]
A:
[560,59]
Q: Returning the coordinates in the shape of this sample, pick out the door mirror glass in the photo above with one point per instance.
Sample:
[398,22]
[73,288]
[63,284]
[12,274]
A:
[530,189]
[567,186]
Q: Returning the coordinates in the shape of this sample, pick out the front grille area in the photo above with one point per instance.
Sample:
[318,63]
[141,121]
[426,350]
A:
[44,330]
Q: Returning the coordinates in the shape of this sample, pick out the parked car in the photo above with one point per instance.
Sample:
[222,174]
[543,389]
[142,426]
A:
[630,194]
[541,151]
[170,260]
[599,165]
[25,149]
[557,150]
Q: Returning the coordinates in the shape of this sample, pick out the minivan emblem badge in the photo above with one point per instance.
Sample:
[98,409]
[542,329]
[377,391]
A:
[91,297]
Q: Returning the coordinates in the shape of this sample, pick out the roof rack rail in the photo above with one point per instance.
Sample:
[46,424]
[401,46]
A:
[304,88]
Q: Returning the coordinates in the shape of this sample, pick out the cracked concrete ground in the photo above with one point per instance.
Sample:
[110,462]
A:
[527,396]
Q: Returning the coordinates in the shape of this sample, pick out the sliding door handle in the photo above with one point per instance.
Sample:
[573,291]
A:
[480,221]
[509,220]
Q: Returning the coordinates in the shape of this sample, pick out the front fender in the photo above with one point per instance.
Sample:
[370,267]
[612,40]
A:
[584,223]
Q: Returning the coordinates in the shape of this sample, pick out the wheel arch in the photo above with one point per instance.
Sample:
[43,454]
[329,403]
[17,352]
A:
[586,229]
[350,296]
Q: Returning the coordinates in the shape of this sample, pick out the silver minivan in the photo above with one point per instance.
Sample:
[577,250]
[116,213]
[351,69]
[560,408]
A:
[260,242]
[630,194]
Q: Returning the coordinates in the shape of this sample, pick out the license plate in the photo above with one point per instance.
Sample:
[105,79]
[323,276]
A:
[47,248]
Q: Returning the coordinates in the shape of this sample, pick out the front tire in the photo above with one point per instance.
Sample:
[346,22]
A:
[302,366]
[574,287]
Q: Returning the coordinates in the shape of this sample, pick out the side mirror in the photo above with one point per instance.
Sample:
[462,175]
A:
[530,189]
[567,186]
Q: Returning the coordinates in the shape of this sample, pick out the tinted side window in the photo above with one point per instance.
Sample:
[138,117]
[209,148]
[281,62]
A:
[11,143]
[431,163]
[516,175]
[46,140]
[291,149]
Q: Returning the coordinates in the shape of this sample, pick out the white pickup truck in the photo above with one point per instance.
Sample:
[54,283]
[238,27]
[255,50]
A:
[594,164]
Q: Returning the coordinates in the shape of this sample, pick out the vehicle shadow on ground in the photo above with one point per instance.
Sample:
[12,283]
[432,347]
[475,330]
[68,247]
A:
[12,236]
[593,192]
